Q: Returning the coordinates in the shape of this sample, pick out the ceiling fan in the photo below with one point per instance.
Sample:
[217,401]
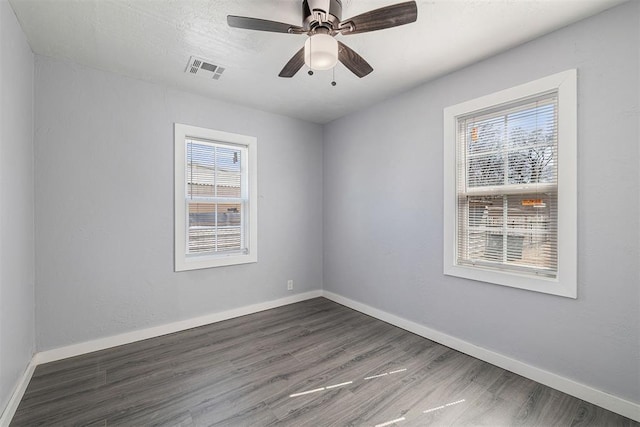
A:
[322,21]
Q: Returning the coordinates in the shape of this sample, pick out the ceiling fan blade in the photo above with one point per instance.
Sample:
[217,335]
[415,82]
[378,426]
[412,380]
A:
[379,19]
[262,25]
[294,64]
[354,62]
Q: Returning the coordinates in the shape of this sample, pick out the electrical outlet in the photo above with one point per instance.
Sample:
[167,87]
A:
[289,285]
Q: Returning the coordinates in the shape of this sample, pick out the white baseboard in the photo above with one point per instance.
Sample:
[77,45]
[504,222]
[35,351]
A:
[565,385]
[16,397]
[156,331]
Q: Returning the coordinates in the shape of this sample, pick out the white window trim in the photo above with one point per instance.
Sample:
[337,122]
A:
[182,261]
[565,283]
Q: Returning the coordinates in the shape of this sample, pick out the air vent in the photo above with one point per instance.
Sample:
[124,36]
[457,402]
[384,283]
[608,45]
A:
[203,68]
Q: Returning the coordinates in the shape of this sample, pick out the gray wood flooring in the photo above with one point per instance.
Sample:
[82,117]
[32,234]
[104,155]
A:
[314,363]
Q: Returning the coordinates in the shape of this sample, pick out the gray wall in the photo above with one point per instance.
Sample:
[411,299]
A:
[16,203]
[383,214]
[104,206]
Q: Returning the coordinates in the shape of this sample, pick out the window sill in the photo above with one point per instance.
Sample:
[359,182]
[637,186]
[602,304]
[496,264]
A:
[203,261]
[561,286]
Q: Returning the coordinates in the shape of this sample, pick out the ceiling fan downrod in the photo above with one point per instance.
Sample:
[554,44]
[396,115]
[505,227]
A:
[315,17]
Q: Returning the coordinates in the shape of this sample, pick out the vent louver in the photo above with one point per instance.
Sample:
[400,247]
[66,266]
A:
[203,68]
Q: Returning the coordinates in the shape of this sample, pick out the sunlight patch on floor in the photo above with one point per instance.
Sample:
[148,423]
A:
[329,387]
[388,423]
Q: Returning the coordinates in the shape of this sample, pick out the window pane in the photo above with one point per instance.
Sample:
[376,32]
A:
[531,145]
[485,170]
[229,214]
[200,170]
[215,227]
[228,178]
[229,230]
[533,219]
[485,135]
[532,165]
[202,231]
[516,146]
[523,235]
[213,171]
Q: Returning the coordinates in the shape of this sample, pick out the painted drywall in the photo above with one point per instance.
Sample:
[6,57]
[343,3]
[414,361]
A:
[383,216]
[104,206]
[17,328]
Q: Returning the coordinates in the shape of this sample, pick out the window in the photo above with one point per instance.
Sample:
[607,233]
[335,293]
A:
[215,198]
[510,187]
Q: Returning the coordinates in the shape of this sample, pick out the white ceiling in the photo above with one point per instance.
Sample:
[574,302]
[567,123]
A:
[153,40]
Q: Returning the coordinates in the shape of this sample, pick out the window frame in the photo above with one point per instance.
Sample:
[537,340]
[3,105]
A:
[565,282]
[182,260]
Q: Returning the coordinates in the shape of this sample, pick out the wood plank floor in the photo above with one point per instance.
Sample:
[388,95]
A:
[314,363]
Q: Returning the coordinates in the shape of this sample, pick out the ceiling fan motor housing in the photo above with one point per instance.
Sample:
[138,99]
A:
[323,15]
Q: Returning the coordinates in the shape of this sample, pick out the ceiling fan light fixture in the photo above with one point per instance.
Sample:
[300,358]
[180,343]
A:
[321,52]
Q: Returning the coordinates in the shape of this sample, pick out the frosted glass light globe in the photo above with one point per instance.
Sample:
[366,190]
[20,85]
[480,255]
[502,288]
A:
[321,52]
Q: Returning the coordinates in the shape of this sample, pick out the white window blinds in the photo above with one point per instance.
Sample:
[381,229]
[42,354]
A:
[216,197]
[507,181]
